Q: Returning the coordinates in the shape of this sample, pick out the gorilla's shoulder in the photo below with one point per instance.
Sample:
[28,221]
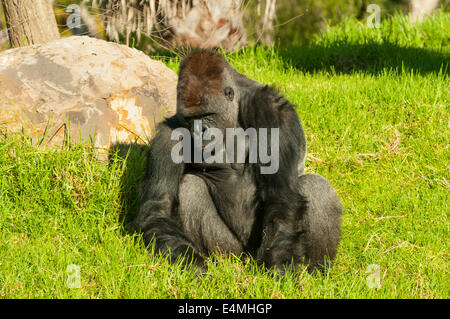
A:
[266,107]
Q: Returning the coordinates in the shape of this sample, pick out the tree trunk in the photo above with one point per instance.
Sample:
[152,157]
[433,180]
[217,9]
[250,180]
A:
[30,22]
[269,17]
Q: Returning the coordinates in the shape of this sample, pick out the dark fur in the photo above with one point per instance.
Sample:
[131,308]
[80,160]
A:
[191,210]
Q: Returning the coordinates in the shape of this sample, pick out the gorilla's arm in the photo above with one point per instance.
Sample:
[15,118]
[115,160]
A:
[157,217]
[281,205]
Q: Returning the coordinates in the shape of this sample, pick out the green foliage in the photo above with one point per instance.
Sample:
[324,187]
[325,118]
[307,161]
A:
[378,132]
[397,44]
[299,20]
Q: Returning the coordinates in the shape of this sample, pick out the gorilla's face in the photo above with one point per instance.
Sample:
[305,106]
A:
[208,92]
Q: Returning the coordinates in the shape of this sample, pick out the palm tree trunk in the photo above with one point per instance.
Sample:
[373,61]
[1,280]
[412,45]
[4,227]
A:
[30,22]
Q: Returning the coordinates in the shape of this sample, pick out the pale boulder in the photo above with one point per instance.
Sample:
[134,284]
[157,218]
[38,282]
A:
[100,91]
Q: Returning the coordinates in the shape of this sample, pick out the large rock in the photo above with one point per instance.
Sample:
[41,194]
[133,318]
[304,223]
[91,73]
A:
[93,89]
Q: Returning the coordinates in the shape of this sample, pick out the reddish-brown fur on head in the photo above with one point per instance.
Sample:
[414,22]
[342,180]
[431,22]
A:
[200,74]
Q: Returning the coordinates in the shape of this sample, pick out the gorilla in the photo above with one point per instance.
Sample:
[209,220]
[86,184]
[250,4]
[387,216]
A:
[190,209]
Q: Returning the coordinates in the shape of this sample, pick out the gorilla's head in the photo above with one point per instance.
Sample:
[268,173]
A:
[207,90]
[211,90]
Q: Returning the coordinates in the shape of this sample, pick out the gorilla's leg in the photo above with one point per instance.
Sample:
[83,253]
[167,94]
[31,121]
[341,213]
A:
[200,220]
[167,236]
[159,192]
[321,222]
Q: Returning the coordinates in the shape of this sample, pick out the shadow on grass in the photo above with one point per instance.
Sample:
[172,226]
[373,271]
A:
[134,159]
[372,57]
[341,57]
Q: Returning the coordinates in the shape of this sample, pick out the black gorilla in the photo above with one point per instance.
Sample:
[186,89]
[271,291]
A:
[192,209]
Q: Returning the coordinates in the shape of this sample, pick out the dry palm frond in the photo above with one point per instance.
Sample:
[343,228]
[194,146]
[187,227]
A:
[194,23]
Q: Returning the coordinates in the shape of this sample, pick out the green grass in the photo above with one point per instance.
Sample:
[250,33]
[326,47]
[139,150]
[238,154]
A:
[377,128]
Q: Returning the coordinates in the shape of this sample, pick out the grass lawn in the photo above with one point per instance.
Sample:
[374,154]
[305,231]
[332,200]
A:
[375,107]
